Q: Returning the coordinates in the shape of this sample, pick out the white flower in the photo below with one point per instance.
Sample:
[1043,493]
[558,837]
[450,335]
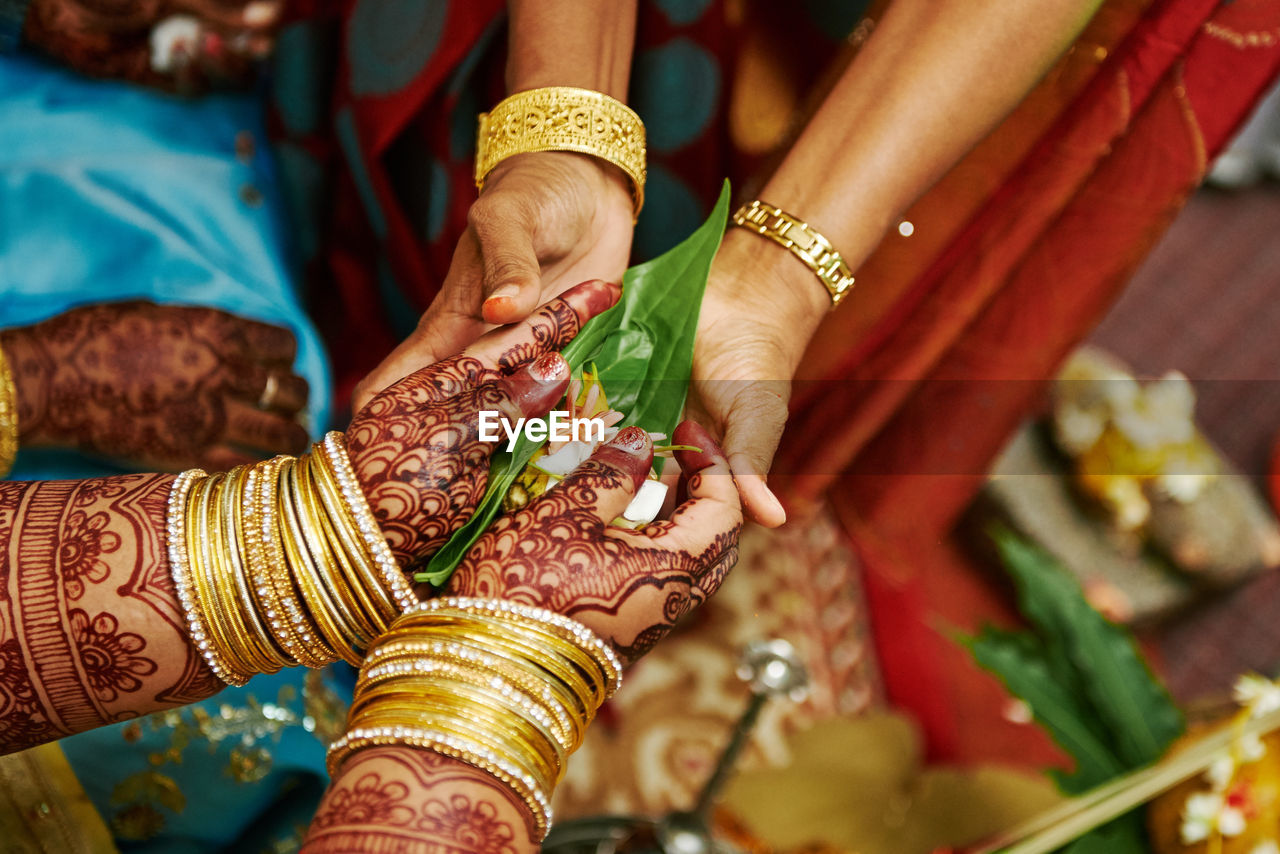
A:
[1200,816]
[1267,847]
[1251,748]
[1261,696]
[1231,821]
[1220,773]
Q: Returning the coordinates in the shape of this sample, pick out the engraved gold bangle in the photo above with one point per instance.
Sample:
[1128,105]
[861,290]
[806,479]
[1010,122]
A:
[564,118]
[813,250]
[8,417]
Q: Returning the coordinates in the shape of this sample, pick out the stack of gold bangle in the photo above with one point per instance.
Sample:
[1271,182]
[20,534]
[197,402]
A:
[8,417]
[281,563]
[507,688]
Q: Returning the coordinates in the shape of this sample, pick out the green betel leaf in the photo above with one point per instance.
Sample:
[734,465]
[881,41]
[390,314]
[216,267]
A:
[1125,698]
[1018,660]
[643,350]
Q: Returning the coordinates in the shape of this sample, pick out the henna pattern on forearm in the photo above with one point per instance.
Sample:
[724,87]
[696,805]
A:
[90,627]
[402,799]
[557,554]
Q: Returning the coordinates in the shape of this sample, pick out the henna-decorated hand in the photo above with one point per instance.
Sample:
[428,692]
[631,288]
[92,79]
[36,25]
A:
[628,586]
[163,387]
[416,448]
[187,46]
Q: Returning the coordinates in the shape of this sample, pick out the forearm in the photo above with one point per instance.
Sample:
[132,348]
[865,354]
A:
[406,799]
[930,82]
[571,43]
[91,631]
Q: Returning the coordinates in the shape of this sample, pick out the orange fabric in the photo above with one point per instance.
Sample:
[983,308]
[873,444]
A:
[941,373]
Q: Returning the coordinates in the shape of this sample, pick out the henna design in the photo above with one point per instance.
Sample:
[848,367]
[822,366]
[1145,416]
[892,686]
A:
[110,658]
[147,383]
[367,801]
[405,799]
[98,544]
[631,587]
[416,448]
[80,552]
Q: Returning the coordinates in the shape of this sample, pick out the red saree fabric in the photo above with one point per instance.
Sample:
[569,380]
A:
[944,375]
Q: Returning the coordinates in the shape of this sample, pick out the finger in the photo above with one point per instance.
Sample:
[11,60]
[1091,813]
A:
[265,342]
[251,428]
[608,480]
[753,429]
[512,280]
[530,392]
[549,328]
[710,518]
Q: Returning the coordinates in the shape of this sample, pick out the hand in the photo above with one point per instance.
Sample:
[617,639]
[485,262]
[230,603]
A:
[187,46]
[545,221]
[630,587]
[416,448]
[164,387]
[760,309]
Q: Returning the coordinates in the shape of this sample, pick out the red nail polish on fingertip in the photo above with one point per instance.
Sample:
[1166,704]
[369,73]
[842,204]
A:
[633,440]
[549,368]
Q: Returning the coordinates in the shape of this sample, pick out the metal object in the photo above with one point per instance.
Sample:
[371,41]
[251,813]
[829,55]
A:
[771,668]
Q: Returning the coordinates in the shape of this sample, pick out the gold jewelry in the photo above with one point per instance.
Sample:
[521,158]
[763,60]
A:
[507,688]
[282,563]
[814,250]
[8,417]
[564,118]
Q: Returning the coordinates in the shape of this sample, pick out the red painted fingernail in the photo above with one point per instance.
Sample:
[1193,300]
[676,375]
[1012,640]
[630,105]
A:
[632,451]
[633,440]
[537,388]
[549,368]
[693,433]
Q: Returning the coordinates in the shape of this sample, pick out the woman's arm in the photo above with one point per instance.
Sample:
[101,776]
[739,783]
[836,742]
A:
[91,629]
[571,43]
[928,84]
[546,220]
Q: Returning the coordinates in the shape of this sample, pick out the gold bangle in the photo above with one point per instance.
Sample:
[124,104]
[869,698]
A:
[8,417]
[564,118]
[814,250]
[310,649]
[177,532]
[334,453]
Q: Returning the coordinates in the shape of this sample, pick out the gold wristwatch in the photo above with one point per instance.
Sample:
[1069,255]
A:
[804,242]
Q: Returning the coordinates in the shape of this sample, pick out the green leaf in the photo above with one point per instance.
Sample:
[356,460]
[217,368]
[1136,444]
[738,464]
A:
[1124,697]
[643,350]
[1018,660]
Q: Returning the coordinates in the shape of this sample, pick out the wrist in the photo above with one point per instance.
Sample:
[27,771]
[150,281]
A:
[777,280]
